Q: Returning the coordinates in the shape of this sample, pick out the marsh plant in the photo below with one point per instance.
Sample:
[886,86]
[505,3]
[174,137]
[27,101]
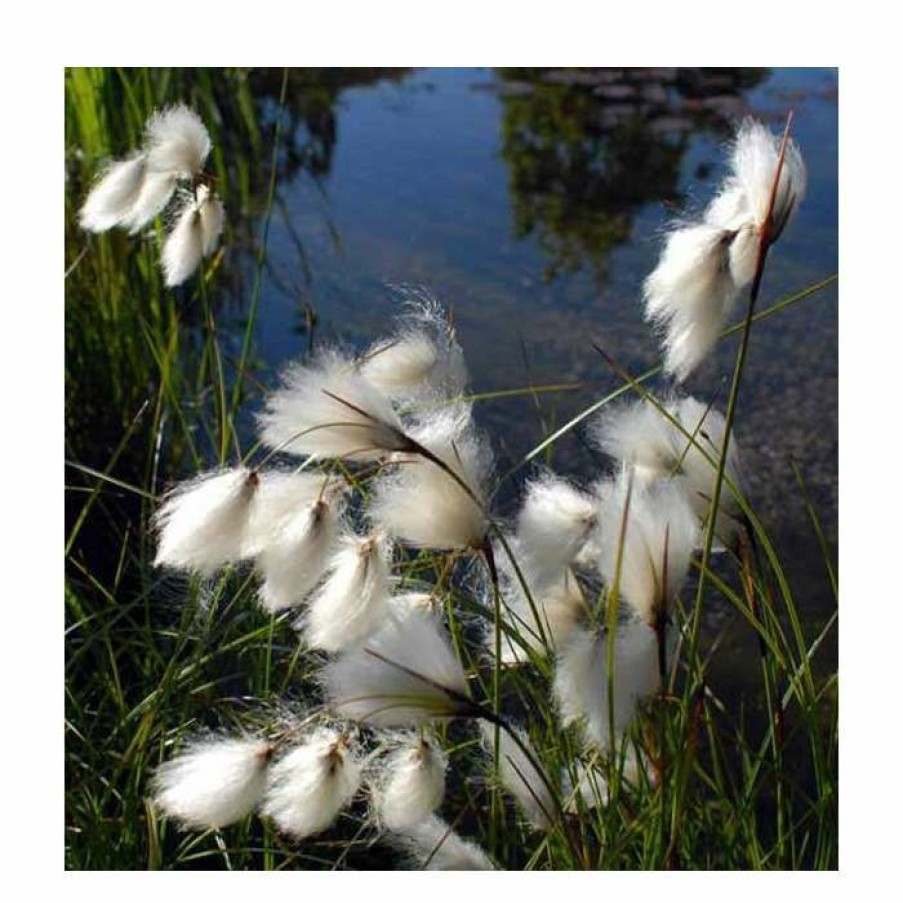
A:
[472,673]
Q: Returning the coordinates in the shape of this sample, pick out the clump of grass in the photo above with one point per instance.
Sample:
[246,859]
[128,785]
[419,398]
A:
[668,774]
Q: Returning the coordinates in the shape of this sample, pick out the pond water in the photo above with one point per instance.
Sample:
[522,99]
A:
[533,202]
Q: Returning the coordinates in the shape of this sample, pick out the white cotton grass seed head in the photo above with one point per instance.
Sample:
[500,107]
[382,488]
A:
[212,217]
[553,523]
[411,785]
[157,189]
[310,785]
[422,504]
[558,604]
[434,845]
[352,601]
[520,775]
[294,525]
[581,684]
[177,141]
[754,161]
[213,783]
[326,409]
[648,544]
[690,294]
[202,524]
[113,196]
[422,358]
[405,674]
[682,441]
[699,449]
[639,437]
[183,249]
[194,236]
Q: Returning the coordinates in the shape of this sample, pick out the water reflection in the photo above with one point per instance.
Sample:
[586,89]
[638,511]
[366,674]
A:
[587,148]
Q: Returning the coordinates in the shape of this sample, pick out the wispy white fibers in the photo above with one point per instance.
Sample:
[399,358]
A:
[699,461]
[326,409]
[422,504]
[644,439]
[404,675]
[412,784]
[704,266]
[212,216]
[353,600]
[581,679]
[292,533]
[660,531]
[690,293]
[754,162]
[639,437]
[422,358]
[521,777]
[310,785]
[177,141]
[202,524]
[156,191]
[553,524]
[194,236]
[433,844]
[213,783]
[114,195]
[183,249]
[557,603]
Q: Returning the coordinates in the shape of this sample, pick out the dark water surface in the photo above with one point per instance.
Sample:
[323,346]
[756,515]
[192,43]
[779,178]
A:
[533,203]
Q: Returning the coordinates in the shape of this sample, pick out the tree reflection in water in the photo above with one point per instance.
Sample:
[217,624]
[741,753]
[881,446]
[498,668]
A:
[587,148]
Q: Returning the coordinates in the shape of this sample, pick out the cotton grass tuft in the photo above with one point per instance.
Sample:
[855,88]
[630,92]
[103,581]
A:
[311,784]
[581,683]
[412,784]
[405,674]
[213,783]
[326,409]
[202,524]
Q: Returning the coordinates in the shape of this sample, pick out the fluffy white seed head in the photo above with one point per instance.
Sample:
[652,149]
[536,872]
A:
[157,189]
[412,784]
[660,531]
[184,247]
[521,777]
[432,844]
[421,504]
[698,460]
[690,293]
[310,785]
[421,360]
[177,141]
[639,437]
[213,783]
[326,409]
[110,201]
[644,439]
[202,524]
[292,533]
[553,524]
[212,216]
[581,679]
[558,608]
[754,161]
[406,674]
[353,600]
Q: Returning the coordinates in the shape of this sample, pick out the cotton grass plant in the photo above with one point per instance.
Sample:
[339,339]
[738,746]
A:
[442,685]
